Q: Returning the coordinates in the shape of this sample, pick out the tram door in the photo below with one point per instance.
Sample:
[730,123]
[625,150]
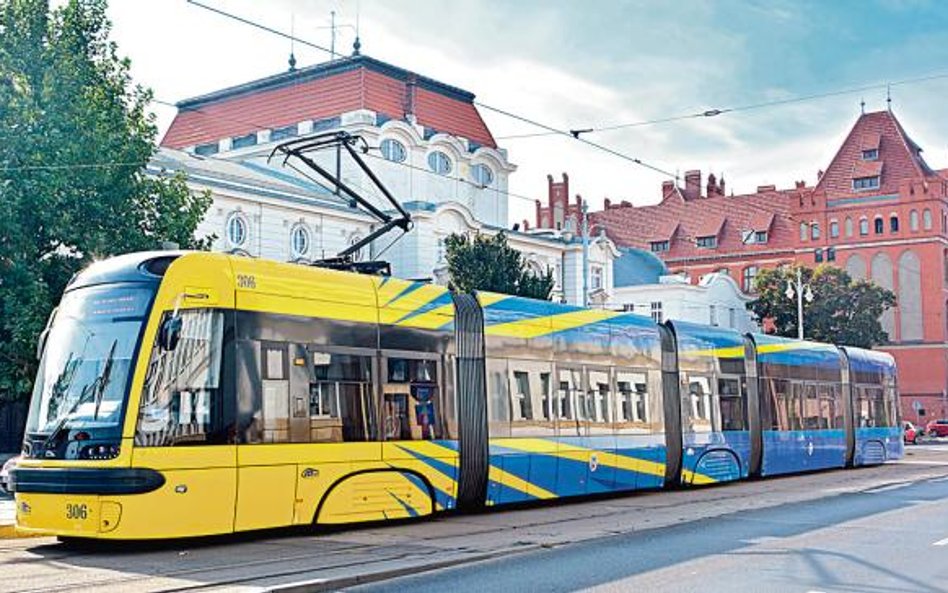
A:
[266,484]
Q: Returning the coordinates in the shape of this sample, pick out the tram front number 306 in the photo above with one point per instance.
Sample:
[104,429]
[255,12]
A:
[77,511]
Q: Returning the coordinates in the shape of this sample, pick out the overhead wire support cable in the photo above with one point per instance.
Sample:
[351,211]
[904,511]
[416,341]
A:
[574,134]
[714,112]
[260,26]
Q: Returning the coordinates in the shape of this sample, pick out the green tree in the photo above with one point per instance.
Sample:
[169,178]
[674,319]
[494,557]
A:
[843,311]
[75,136]
[490,263]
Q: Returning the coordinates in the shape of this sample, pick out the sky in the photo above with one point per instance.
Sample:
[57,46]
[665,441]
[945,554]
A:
[590,64]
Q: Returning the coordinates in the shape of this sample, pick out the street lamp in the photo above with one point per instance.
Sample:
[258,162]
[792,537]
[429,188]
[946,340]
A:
[801,291]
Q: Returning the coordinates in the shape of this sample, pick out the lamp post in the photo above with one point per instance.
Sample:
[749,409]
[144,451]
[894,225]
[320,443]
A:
[800,292]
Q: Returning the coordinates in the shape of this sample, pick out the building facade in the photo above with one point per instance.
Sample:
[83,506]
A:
[423,139]
[878,210]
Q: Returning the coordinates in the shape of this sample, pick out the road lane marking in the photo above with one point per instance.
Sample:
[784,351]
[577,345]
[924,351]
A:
[941,542]
[917,462]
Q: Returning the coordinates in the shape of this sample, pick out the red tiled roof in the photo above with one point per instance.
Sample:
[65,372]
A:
[664,230]
[761,220]
[870,141]
[325,91]
[867,169]
[899,158]
[631,226]
[709,227]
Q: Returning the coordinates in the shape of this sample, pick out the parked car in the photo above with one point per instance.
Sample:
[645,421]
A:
[937,428]
[910,433]
[5,472]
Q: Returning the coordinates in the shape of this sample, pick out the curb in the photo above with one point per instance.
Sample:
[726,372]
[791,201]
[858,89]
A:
[10,531]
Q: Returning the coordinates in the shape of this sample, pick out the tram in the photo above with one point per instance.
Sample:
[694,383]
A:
[186,394]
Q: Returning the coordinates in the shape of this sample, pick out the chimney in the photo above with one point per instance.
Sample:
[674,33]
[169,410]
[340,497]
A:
[606,204]
[667,188]
[692,184]
[801,184]
[721,185]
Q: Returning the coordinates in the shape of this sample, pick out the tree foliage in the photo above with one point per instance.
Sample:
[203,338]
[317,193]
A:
[75,136]
[490,263]
[843,311]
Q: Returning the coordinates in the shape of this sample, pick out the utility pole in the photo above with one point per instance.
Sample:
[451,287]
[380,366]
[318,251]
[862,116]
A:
[585,228]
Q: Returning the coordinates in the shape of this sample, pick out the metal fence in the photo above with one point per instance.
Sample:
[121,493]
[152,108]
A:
[12,423]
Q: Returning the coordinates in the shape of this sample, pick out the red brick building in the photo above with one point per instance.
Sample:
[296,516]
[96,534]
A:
[879,211]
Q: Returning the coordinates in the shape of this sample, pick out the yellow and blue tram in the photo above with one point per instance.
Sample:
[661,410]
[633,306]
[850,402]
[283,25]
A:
[187,394]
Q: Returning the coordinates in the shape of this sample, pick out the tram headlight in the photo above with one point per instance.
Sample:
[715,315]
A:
[100,451]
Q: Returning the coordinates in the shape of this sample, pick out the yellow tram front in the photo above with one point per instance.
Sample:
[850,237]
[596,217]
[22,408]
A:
[105,358]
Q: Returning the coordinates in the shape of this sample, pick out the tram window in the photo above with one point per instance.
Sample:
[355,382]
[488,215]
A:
[274,362]
[498,397]
[811,408]
[632,393]
[778,395]
[732,404]
[521,392]
[795,406]
[182,401]
[412,399]
[531,404]
[700,401]
[598,396]
[571,399]
[341,400]
[828,395]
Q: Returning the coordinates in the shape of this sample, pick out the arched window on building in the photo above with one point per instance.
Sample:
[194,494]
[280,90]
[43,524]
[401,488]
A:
[927,219]
[236,230]
[893,224]
[878,225]
[881,269]
[834,229]
[863,226]
[299,241]
[803,231]
[849,227]
[913,220]
[856,267]
[814,230]
[910,297]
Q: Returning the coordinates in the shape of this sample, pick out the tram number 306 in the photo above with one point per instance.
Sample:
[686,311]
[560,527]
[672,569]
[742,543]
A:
[77,511]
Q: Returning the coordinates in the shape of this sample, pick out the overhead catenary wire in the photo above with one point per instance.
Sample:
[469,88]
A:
[569,134]
[714,112]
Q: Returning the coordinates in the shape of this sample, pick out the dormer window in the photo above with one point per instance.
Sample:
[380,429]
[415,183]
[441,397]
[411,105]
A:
[659,246]
[707,242]
[760,237]
[870,154]
[863,183]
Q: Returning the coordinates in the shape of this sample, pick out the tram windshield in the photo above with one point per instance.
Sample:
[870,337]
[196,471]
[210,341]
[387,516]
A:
[85,369]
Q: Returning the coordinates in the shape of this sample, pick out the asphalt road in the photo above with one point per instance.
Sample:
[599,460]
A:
[865,530]
[892,538]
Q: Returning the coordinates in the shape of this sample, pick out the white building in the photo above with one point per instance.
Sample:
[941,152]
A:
[425,141]
[644,286]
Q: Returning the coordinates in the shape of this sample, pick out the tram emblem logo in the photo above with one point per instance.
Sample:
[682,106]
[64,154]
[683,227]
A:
[593,462]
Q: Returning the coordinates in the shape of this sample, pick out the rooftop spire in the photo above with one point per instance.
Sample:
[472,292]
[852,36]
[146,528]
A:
[888,97]
[292,60]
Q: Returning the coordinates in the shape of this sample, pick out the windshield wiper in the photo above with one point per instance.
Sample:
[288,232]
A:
[104,378]
[65,417]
